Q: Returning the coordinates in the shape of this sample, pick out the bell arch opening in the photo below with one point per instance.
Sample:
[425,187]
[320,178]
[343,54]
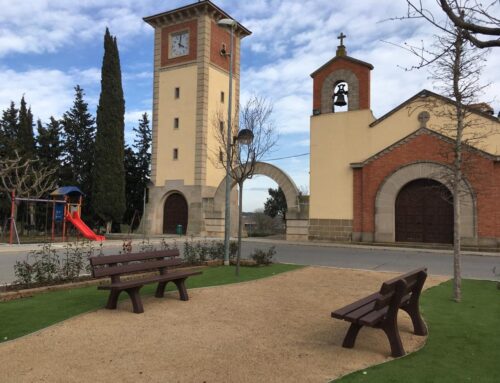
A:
[329,87]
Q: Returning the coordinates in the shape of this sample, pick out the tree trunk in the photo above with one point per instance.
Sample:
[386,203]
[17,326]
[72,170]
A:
[457,269]
[457,169]
[240,208]
[109,225]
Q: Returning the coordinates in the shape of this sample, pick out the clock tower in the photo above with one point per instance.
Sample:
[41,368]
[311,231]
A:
[190,96]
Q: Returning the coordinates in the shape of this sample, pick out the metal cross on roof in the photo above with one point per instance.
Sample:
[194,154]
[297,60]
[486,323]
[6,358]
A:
[341,37]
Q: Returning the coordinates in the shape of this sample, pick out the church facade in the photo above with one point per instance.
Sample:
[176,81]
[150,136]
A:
[386,179]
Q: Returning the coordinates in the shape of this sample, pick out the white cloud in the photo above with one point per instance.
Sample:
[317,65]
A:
[49,92]
[133,116]
[44,26]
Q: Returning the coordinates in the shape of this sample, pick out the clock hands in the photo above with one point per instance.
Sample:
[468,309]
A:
[180,42]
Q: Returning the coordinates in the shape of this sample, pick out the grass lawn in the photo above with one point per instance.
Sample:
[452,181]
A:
[24,316]
[463,343]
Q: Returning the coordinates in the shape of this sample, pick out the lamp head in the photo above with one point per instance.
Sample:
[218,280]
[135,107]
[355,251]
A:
[245,137]
[227,22]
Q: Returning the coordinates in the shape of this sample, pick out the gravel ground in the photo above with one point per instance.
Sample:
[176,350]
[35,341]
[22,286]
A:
[270,330]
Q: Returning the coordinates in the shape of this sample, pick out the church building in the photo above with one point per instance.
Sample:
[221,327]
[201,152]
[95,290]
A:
[389,179]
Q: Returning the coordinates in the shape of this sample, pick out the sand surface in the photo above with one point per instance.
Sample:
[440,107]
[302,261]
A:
[276,329]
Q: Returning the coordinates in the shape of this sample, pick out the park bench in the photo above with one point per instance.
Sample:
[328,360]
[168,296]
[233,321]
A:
[380,310]
[116,266]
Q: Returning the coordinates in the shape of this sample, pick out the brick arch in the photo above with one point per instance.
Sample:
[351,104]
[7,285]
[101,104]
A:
[277,175]
[389,189]
[338,76]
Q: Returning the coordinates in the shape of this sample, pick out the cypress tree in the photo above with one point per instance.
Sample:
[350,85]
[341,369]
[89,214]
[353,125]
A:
[108,173]
[142,145]
[137,169]
[133,191]
[25,137]
[78,147]
[8,131]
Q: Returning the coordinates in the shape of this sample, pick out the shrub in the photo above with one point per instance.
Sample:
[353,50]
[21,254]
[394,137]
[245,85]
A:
[262,257]
[199,252]
[45,265]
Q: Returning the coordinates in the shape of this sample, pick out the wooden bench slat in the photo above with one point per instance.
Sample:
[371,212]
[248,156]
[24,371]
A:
[108,259]
[340,313]
[134,267]
[150,279]
[405,276]
[355,315]
[371,319]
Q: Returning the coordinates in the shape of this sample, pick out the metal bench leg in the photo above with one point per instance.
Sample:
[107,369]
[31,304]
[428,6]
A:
[113,299]
[160,289]
[135,297]
[419,327]
[392,333]
[350,337]
[181,286]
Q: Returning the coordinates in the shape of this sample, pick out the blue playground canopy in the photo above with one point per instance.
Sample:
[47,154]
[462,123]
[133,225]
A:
[66,190]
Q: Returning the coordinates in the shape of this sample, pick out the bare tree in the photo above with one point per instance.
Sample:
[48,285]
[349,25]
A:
[455,66]
[479,23]
[255,119]
[26,178]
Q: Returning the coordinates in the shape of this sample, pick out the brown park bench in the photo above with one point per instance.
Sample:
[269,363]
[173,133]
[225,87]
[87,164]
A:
[115,266]
[380,310]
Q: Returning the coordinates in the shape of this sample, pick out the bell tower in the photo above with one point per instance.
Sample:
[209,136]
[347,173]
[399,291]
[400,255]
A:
[341,113]
[342,81]
[190,90]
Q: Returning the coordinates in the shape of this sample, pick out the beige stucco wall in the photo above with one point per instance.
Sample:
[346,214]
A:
[183,138]
[218,82]
[339,139]
[480,132]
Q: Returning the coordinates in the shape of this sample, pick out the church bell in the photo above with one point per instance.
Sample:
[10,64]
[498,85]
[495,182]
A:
[339,96]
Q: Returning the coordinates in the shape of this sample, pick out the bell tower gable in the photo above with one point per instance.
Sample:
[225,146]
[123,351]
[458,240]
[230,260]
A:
[354,77]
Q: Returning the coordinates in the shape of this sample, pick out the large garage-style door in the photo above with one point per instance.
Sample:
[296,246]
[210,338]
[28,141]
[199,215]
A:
[424,212]
[175,213]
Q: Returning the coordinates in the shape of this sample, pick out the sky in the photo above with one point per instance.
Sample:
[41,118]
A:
[49,46]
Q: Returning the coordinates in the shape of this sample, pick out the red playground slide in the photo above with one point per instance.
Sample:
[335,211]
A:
[83,228]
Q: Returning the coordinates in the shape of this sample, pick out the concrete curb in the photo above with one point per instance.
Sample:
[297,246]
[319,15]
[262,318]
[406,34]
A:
[368,247]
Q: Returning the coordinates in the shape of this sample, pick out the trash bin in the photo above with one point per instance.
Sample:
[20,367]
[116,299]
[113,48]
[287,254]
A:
[178,230]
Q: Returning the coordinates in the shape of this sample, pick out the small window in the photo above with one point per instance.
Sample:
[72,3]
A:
[176,123]
[177,92]
[221,126]
[222,97]
[221,155]
[176,154]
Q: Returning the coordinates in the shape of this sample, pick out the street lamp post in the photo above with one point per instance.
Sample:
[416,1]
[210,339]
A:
[227,217]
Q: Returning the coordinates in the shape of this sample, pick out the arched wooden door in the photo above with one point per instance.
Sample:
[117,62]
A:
[175,212]
[424,212]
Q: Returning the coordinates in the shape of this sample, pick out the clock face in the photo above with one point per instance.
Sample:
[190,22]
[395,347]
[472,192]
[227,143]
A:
[179,44]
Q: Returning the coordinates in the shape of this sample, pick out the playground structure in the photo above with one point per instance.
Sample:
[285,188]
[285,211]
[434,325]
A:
[66,207]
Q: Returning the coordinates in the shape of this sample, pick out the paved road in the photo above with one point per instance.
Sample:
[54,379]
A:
[356,257]
[386,259]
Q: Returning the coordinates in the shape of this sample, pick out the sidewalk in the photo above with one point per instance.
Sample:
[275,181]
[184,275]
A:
[157,239]
[373,246]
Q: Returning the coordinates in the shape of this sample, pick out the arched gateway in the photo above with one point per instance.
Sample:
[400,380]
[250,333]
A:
[407,182]
[297,213]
